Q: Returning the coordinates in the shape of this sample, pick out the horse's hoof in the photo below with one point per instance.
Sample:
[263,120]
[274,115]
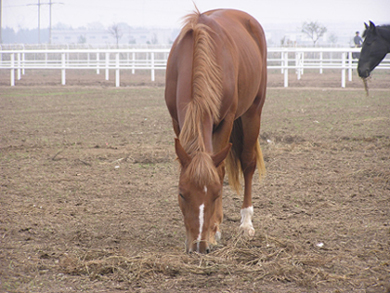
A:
[251,232]
[248,231]
[217,236]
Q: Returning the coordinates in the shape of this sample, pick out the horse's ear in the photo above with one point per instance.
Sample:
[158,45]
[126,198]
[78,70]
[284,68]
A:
[372,27]
[366,25]
[218,158]
[184,158]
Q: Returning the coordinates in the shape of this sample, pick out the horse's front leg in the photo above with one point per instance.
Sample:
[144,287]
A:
[220,140]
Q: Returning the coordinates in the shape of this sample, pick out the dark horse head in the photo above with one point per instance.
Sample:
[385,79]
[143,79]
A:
[375,47]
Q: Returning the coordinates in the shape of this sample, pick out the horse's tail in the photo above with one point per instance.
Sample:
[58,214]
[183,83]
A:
[233,163]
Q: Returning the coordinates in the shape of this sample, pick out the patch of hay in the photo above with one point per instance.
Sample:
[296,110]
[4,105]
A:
[261,259]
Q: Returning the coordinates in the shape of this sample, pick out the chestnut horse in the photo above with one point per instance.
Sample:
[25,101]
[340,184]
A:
[215,90]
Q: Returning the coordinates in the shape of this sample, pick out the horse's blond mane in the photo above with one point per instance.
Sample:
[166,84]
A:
[206,95]
[206,84]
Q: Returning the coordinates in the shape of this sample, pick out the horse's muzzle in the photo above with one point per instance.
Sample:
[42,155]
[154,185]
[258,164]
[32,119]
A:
[363,73]
[199,247]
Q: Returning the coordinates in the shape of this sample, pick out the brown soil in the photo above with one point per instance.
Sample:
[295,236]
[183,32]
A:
[88,188]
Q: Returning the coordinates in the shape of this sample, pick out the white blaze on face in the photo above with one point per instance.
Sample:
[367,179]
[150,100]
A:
[201,222]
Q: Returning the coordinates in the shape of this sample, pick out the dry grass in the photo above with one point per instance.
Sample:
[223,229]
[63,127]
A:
[263,258]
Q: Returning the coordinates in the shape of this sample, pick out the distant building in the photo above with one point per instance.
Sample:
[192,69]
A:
[129,35]
[78,36]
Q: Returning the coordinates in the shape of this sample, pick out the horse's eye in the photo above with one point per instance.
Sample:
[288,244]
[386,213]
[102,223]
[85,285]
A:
[217,196]
[181,195]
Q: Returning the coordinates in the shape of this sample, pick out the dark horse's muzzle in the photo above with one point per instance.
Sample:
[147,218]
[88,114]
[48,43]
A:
[363,72]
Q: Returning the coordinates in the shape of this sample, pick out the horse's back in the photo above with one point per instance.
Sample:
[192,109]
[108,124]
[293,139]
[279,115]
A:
[245,44]
[240,51]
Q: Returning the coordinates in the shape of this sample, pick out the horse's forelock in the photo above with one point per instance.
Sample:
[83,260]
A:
[202,171]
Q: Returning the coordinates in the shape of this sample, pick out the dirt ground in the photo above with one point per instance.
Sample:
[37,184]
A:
[88,190]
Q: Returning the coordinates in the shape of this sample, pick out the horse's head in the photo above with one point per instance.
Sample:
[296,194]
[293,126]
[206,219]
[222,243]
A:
[374,49]
[200,186]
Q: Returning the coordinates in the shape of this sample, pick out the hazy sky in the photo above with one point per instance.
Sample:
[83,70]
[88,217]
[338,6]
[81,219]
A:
[168,13]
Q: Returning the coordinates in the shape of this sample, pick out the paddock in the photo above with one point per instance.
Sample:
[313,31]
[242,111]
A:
[88,192]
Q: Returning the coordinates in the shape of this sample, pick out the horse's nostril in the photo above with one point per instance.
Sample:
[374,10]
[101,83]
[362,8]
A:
[207,250]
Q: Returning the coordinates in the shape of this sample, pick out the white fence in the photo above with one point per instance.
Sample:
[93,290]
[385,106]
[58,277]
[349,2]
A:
[284,59]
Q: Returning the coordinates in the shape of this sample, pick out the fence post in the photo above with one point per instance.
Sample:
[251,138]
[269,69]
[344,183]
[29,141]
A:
[298,64]
[63,64]
[321,63]
[282,62]
[117,81]
[133,70]
[107,65]
[12,69]
[152,63]
[343,57]
[98,62]
[18,66]
[285,69]
[23,63]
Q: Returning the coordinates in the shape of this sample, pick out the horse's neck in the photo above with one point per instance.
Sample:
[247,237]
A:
[385,33]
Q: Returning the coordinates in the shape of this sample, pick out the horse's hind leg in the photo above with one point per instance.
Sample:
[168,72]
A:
[248,158]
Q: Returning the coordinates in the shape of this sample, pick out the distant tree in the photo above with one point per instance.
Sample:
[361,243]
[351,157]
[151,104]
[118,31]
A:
[95,26]
[116,32]
[82,39]
[333,38]
[62,26]
[314,30]
[154,40]
[282,41]
[9,35]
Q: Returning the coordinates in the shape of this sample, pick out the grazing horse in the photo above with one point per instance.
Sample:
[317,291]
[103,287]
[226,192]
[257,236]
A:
[375,47]
[215,90]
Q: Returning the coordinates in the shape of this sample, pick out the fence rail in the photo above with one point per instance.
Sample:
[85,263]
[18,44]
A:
[284,59]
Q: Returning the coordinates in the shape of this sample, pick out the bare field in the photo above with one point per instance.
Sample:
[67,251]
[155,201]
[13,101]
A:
[88,197]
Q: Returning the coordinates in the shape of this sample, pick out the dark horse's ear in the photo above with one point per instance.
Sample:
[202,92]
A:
[372,27]
[366,26]
[184,158]
[218,158]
